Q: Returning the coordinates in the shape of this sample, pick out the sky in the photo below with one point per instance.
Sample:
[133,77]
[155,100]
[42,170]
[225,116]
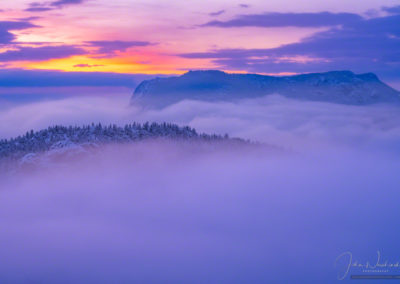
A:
[171,37]
[193,216]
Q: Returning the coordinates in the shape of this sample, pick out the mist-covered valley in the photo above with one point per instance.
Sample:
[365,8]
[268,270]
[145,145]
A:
[325,182]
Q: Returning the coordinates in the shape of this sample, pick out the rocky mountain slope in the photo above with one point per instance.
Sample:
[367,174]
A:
[343,87]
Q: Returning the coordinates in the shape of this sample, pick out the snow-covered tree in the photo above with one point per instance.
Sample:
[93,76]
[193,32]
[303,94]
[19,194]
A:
[57,136]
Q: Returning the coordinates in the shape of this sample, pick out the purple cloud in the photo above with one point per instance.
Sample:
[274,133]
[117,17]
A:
[244,5]
[7,26]
[363,45]
[16,25]
[392,10]
[109,48]
[84,65]
[60,3]
[40,53]
[214,14]
[45,6]
[38,7]
[287,20]
[48,78]
[6,36]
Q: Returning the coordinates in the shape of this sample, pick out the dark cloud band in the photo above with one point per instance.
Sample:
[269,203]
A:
[358,44]
[40,53]
[287,20]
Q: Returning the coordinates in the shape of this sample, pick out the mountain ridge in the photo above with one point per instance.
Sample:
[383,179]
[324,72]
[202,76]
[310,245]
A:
[343,87]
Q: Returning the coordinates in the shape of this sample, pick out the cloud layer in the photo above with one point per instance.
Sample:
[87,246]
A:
[109,48]
[40,53]
[308,39]
[352,43]
[209,216]
[18,78]
[49,6]
[287,20]
[212,217]
[275,120]
[6,26]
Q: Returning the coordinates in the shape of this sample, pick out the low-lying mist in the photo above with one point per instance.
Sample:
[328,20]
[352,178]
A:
[163,212]
[273,119]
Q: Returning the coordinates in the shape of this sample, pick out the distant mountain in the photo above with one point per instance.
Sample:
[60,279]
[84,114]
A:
[343,87]
[60,141]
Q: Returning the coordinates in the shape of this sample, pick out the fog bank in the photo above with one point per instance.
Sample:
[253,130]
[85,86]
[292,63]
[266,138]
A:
[273,119]
[163,212]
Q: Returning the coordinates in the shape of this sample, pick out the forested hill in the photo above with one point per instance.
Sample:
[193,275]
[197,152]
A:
[59,137]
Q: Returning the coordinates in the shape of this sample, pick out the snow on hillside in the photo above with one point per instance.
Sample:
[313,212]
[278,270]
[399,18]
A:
[61,141]
[343,87]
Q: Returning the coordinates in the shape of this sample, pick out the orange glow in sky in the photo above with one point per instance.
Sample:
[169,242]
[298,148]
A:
[159,33]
